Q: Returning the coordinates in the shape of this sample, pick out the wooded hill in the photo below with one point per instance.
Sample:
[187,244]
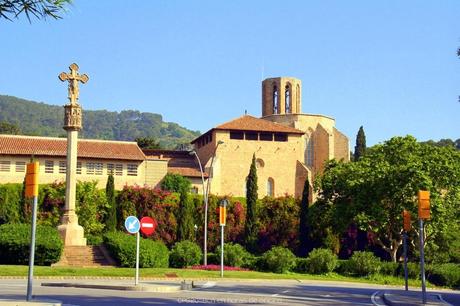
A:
[40,119]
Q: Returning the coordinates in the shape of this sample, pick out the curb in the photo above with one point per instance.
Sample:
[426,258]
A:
[142,287]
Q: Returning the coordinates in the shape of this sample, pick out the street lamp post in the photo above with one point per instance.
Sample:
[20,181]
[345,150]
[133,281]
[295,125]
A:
[205,199]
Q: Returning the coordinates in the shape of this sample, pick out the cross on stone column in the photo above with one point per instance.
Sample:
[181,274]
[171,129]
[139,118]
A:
[73,77]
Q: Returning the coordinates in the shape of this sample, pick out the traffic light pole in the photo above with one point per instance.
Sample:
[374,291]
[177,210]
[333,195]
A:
[422,260]
[405,259]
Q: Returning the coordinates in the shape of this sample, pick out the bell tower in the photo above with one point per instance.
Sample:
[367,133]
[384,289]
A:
[281,96]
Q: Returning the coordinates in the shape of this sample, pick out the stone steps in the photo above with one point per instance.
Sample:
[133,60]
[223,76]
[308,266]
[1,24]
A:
[85,256]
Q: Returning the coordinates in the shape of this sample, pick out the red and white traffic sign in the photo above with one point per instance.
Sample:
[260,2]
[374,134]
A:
[148,226]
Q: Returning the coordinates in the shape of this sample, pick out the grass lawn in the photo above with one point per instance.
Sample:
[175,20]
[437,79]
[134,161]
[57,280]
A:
[21,271]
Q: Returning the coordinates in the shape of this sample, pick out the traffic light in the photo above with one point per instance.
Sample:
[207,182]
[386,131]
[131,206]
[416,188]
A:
[423,204]
[32,180]
[406,220]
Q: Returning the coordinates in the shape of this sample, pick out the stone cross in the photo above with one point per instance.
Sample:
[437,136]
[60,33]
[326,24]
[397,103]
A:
[73,77]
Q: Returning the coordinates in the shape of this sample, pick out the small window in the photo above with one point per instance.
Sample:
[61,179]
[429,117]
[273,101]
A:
[20,166]
[275,99]
[90,168]
[49,166]
[5,166]
[98,168]
[132,170]
[119,169]
[260,163]
[266,136]
[270,187]
[251,136]
[78,167]
[281,137]
[236,135]
[287,99]
[111,169]
[62,167]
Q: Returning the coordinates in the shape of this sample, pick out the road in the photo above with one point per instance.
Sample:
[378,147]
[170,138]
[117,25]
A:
[218,292]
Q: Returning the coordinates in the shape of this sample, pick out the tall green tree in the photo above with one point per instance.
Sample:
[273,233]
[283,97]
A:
[147,143]
[304,230]
[373,192]
[185,222]
[250,226]
[111,223]
[39,9]
[360,147]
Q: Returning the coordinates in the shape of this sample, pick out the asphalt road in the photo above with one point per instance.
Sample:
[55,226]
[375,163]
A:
[218,292]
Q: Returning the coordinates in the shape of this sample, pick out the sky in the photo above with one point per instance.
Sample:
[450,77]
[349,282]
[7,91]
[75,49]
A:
[389,66]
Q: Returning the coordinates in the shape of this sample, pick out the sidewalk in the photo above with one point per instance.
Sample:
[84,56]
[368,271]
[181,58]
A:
[412,298]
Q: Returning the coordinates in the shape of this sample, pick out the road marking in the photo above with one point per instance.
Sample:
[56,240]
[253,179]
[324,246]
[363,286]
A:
[374,300]
[442,300]
[285,291]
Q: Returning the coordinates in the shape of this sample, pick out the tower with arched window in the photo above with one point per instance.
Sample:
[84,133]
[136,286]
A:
[281,96]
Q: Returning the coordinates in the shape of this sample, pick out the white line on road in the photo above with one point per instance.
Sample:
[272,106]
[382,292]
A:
[374,299]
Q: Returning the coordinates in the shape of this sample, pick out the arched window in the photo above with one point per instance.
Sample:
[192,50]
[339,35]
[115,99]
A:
[309,151]
[297,98]
[270,187]
[275,99]
[287,99]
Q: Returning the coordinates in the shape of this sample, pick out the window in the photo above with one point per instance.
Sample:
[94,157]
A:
[62,166]
[275,99]
[98,168]
[78,167]
[287,99]
[5,166]
[20,166]
[309,152]
[119,169]
[90,168]
[297,98]
[236,135]
[270,187]
[251,136]
[260,163]
[266,136]
[132,169]
[49,166]
[110,169]
[281,137]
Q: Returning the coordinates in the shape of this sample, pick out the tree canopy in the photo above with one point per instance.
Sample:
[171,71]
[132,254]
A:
[360,148]
[39,9]
[373,191]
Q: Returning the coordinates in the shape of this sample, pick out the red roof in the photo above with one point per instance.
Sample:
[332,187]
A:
[249,123]
[88,148]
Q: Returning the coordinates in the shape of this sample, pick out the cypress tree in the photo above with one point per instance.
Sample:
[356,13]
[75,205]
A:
[250,226]
[360,148]
[304,230]
[185,223]
[111,223]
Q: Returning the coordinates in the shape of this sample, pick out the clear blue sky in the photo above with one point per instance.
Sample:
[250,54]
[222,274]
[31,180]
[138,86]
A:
[390,66]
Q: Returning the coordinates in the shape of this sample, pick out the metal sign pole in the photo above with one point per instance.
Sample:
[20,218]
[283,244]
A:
[422,260]
[222,251]
[405,258]
[32,250]
[137,258]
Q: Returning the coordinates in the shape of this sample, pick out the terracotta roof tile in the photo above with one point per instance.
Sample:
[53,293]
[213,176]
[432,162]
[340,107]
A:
[249,123]
[89,148]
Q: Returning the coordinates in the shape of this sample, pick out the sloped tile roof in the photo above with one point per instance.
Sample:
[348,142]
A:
[249,123]
[87,148]
[179,162]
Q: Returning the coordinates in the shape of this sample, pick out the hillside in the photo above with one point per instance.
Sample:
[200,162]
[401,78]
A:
[41,119]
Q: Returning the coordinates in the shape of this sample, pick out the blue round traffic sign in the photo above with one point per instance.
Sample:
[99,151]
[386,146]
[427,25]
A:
[132,224]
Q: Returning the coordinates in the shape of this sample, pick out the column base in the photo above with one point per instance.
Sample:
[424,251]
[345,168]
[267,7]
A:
[71,233]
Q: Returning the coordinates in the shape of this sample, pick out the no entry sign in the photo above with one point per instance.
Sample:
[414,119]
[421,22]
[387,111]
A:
[148,226]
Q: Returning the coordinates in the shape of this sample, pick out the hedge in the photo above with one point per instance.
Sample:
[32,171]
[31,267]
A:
[122,246]
[15,244]
[185,254]
[444,275]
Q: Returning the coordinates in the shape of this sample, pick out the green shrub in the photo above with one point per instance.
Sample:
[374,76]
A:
[15,244]
[213,258]
[94,239]
[363,264]
[413,270]
[122,246]
[10,203]
[234,255]
[279,260]
[185,254]
[390,268]
[257,263]
[301,265]
[321,261]
[444,275]
[175,183]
